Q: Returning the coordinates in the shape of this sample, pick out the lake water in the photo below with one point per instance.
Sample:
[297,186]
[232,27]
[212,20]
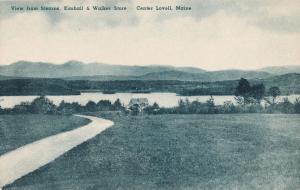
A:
[163,99]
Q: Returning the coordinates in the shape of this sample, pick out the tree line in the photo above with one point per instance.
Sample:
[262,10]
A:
[248,100]
[42,105]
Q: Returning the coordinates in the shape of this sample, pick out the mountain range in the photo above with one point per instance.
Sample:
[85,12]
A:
[75,70]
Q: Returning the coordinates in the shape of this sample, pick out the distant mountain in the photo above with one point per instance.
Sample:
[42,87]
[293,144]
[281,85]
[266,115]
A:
[76,68]
[287,83]
[281,70]
[237,74]
[181,76]
[190,69]
[205,76]
[173,75]
[2,77]
[5,77]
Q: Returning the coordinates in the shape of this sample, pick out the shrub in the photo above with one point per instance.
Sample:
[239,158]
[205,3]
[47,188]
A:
[285,107]
[228,107]
[91,106]
[69,108]
[274,92]
[297,105]
[42,105]
[104,105]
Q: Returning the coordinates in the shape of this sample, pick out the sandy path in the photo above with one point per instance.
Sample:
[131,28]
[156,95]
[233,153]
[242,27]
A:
[20,162]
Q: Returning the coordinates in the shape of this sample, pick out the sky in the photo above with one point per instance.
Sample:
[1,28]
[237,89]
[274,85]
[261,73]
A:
[214,35]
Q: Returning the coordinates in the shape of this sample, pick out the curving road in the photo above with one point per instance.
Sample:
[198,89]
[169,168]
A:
[20,162]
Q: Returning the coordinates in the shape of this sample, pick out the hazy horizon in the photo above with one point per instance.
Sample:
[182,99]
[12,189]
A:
[163,65]
[214,35]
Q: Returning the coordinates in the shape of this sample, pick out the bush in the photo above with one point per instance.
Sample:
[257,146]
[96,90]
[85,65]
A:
[285,107]
[91,106]
[253,108]
[247,94]
[297,105]
[23,107]
[42,105]
[69,108]
[104,105]
[228,107]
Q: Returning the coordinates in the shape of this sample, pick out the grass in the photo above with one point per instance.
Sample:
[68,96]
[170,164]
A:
[18,130]
[247,151]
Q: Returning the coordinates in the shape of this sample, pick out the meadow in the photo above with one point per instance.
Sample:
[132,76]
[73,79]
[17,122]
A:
[21,129]
[236,151]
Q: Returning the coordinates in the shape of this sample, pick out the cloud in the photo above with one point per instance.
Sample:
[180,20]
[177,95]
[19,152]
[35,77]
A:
[275,15]
[221,41]
[226,35]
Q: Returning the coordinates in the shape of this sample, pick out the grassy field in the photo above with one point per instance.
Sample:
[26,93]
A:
[18,130]
[181,152]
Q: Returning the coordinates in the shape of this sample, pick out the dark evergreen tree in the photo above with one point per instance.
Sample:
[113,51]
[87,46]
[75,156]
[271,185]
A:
[274,92]
[104,105]
[258,92]
[42,105]
[91,106]
[243,90]
[297,105]
[117,105]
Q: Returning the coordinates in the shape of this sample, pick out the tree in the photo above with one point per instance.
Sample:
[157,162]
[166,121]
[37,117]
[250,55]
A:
[42,105]
[274,92]
[155,105]
[258,92]
[152,109]
[286,106]
[243,90]
[211,101]
[104,105]
[23,107]
[117,105]
[228,107]
[181,104]
[297,105]
[91,106]
[211,105]
[69,108]
[135,109]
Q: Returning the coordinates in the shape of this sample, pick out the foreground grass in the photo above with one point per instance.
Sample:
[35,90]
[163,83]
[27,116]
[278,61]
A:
[181,152]
[18,130]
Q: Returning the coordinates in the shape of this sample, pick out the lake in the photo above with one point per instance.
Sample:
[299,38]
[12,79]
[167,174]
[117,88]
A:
[163,99]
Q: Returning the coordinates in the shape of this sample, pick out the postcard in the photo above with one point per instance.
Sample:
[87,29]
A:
[150,94]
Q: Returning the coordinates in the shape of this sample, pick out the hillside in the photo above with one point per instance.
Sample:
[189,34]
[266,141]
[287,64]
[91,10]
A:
[6,77]
[181,76]
[16,87]
[76,68]
[288,84]
[280,70]
[206,77]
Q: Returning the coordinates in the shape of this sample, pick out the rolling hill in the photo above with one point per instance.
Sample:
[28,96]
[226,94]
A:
[75,70]
[281,70]
[288,84]
[206,76]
